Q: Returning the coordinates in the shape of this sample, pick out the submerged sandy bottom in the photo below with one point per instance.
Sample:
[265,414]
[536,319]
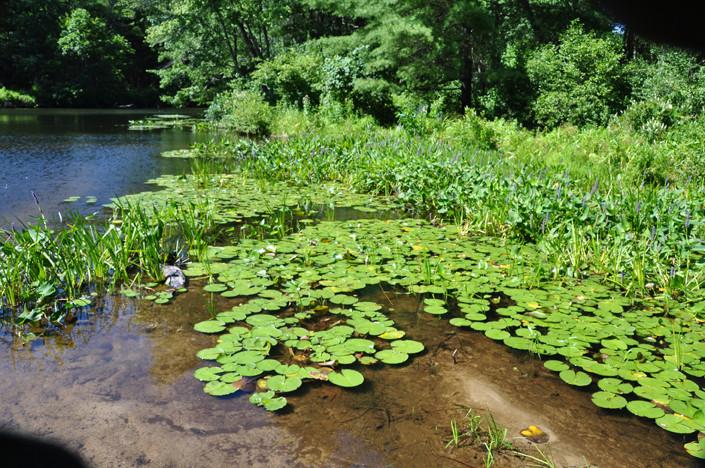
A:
[117,388]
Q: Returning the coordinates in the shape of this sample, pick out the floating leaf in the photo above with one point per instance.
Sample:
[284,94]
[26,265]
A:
[579,379]
[346,378]
[408,346]
[608,400]
[209,326]
[391,356]
[217,388]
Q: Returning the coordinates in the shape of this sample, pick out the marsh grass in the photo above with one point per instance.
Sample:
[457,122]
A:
[45,272]
[589,214]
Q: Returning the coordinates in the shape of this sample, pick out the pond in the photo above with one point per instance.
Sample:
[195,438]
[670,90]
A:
[117,383]
[88,153]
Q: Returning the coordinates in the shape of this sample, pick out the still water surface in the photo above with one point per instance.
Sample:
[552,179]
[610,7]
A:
[61,153]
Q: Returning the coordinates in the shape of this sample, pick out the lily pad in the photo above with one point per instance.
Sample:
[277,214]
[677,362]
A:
[579,379]
[408,346]
[209,326]
[608,400]
[346,378]
[218,388]
[391,356]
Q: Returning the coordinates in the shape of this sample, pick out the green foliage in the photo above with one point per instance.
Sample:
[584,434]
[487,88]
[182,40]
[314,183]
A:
[246,112]
[374,97]
[580,81]
[292,77]
[10,98]
[96,55]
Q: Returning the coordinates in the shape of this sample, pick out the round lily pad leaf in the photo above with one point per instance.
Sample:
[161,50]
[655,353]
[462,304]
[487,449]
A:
[343,299]
[391,356]
[615,386]
[268,365]
[217,388]
[215,287]
[608,400]
[435,309]
[346,378]
[209,354]
[208,374]
[579,379]
[356,345]
[283,384]
[392,334]
[407,346]
[210,326]
[675,423]
[555,365]
[344,358]
[460,322]
[274,404]
[645,409]
[696,449]
[497,334]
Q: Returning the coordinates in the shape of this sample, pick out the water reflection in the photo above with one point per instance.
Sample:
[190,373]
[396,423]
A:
[62,153]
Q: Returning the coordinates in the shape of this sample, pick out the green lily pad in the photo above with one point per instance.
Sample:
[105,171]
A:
[346,378]
[217,388]
[208,374]
[696,449]
[579,379]
[282,384]
[556,366]
[209,326]
[435,309]
[408,346]
[391,356]
[497,334]
[215,287]
[675,423]
[608,400]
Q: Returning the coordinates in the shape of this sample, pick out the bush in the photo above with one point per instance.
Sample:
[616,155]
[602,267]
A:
[10,98]
[581,81]
[374,97]
[290,78]
[245,112]
[471,132]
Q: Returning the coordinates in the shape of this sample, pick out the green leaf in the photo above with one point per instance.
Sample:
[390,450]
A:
[579,379]
[346,378]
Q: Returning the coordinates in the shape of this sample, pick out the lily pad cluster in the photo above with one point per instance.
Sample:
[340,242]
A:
[646,358]
[234,197]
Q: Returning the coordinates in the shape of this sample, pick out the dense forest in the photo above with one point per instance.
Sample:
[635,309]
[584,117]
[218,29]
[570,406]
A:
[543,63]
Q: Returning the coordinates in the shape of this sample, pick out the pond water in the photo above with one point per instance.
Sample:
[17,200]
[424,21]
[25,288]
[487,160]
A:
[62,153]
[116,385]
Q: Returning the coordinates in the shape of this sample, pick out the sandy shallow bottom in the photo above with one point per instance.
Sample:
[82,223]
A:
[117,388]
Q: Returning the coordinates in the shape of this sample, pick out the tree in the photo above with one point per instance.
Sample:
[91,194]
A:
[97,58]
[581,80]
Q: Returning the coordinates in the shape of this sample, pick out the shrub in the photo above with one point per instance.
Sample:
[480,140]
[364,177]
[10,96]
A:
[374,97]
[290,78]
[10,98]
[580,81]
[245,112]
